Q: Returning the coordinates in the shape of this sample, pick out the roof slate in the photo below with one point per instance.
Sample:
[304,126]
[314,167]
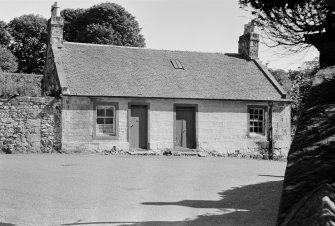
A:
[100,70]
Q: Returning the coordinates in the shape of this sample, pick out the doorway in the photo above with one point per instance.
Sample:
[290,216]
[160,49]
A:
[185,127]
[138,126]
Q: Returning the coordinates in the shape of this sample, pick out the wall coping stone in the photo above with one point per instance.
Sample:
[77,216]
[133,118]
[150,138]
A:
[37,99]
[23,99]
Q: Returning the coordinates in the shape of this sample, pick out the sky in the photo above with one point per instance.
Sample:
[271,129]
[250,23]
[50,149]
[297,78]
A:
[192,25]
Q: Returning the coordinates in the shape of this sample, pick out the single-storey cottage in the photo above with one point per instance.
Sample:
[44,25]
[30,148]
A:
[139,98]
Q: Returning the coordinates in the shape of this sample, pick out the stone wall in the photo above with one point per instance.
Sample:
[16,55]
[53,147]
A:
[30,125]
[222,125]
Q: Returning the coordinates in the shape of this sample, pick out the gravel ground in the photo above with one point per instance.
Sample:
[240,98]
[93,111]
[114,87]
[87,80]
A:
[133,190]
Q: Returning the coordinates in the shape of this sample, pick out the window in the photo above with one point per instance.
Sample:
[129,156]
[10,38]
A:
[105,124]
[257,120]
[177,64]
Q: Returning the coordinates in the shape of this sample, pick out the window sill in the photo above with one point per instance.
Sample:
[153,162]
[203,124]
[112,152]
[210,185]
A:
[105,138]
[256,136]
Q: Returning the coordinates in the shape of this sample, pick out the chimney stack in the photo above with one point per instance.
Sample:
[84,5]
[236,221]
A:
[248,42]
[55,26]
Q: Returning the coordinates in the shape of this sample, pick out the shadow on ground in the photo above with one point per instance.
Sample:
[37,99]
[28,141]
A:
[248,205]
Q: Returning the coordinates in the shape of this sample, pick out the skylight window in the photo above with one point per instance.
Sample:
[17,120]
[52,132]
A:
[177,64]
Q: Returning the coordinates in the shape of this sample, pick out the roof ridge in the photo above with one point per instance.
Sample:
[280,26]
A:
[142,48]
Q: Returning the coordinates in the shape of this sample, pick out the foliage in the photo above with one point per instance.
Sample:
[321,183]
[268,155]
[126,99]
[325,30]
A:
[301,83]
[20,84]
[26,36]
[29,33]
[283,78]
[70,26]
[297,84]
[8,62]
[106,23]
[285,22]
[5,37]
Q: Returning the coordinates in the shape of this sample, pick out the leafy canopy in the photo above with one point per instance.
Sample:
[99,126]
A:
[5,37]
[285,22]
[26,36]
[29,37]
[106,23]
[297,84]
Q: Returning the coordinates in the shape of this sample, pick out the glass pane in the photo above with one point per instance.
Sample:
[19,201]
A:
[108,129]
[100,121]
[100,129]
[179,65]
[105,129]
[100,111]
[251,111]
[110,111]
[108,120]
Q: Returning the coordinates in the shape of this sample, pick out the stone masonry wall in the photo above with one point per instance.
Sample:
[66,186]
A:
[30,125]
[222,125]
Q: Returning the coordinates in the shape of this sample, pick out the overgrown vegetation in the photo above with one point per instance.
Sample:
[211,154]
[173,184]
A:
[297,84]
[20,85]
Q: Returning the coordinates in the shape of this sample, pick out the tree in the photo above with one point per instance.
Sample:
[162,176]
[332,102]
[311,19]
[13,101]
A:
[283,78]
[5,37]
[297,84]
[106,23]
[29,33]
[8,62]
[286,22]
[301,82]
[70,26]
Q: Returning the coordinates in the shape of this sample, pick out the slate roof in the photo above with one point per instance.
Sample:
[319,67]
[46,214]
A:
[100,70]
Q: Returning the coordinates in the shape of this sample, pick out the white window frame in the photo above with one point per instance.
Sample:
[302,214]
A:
[254,120]
[97,133]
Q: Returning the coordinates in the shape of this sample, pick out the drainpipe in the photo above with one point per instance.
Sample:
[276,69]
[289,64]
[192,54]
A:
[270,132]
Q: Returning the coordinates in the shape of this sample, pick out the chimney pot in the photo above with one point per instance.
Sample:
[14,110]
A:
[55,10]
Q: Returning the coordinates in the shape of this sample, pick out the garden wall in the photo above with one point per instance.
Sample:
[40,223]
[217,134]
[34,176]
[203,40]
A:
[30,125]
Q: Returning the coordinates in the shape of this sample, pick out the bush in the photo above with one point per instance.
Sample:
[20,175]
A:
[8,62]
[20,85]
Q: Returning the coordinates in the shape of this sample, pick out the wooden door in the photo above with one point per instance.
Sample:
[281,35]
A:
[138,127]
[185,127]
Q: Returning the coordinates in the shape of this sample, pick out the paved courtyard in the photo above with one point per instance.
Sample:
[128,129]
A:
[127,190]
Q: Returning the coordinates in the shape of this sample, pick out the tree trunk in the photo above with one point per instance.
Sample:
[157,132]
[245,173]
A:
[308,191]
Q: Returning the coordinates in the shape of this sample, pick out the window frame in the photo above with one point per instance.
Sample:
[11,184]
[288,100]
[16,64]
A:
[177,64]
[115,121]
[265,121]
